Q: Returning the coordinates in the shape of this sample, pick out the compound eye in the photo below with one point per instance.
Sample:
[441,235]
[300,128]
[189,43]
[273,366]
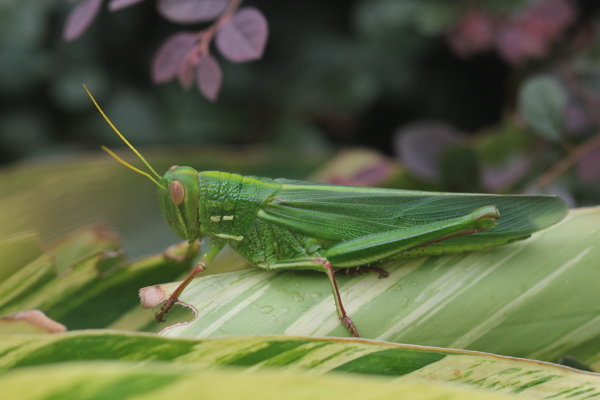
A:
[173,167]
[177,192]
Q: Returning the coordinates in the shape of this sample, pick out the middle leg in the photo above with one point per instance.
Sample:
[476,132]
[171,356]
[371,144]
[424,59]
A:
[323,265]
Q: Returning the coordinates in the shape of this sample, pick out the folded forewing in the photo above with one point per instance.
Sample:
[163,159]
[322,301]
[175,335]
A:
[336,213]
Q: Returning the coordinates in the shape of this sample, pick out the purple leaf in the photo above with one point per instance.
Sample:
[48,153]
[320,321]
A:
[358,168]
[577,119]
[186,74]
[588,167]
[421,145]
[243,38]
[171,55]
[116,5]
[499,177]
[187,11]
[210,77]
[80,18]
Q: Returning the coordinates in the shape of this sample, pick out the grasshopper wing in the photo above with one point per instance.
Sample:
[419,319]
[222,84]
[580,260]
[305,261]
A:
[338,213]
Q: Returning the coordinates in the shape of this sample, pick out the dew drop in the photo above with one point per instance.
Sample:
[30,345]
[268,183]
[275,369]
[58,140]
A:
[297,296]
[405,301]
[315,295]
[266,309]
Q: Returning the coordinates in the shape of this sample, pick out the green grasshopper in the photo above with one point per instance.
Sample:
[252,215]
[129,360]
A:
[282,224]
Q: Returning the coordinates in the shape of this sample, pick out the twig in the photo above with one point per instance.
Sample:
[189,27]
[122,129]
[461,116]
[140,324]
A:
[205,36]
[576,154]
[571,159]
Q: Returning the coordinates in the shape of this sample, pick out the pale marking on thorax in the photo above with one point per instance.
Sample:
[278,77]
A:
[217,218]
[225,236]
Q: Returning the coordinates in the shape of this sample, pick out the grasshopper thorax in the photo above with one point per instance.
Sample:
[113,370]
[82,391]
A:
[178,197]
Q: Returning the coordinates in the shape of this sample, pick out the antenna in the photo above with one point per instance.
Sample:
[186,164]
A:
[125,163]
[127,143]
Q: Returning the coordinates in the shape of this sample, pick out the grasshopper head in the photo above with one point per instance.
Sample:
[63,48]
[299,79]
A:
[178,198]
[178,189]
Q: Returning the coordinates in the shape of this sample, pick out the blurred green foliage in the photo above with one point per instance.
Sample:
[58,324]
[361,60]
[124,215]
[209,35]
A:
[333,74]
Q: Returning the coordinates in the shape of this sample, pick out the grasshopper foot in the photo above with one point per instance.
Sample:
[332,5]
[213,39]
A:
[158,317]
[350,325]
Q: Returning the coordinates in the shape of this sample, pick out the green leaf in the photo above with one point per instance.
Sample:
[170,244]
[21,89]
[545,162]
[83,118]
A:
[395,365]
[81,281]
[154,381]
[536,298]
[542,103]
[17,251]
[381,18]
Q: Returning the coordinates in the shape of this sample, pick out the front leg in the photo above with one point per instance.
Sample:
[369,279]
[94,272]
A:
[216,245]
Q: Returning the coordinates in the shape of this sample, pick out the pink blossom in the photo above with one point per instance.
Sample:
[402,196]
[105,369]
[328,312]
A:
[473,34]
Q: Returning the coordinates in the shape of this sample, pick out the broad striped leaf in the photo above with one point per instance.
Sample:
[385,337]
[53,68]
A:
[101,380]
[81,281]
[537,298]
[399,364]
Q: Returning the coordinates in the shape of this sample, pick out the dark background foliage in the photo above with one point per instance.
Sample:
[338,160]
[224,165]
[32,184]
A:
[354,73]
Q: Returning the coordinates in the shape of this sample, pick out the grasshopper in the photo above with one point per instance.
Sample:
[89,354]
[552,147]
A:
[282,224]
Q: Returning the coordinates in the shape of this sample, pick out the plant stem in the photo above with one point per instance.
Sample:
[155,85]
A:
[576,154]
[205,36]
